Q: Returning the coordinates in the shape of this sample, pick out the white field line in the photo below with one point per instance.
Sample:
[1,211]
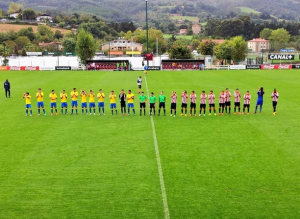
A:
[160,172]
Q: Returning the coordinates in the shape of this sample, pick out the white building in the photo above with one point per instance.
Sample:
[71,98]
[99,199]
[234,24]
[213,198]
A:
[15,14]
[43,18]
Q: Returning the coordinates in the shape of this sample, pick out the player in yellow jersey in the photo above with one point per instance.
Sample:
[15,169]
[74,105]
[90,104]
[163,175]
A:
[130,104]
[83,96]
[53,98]
[92,102]
[101,97]
[64,104]
[113,104]
[40,101]
[74,97]
[27,98]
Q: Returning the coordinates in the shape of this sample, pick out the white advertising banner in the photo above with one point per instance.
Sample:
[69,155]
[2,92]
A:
[237,67]
[47,68]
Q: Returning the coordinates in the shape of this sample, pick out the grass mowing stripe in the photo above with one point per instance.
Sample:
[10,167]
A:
[160,172]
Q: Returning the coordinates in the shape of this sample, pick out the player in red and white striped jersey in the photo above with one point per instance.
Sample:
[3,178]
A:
[222,98]
[275,96]
[193,98]
[227,101]
[184,99]
[237,101]
[173,103]
[203,98]
[247,98]
[211,100]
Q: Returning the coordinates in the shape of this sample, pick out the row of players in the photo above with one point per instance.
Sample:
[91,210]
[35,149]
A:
[224,102]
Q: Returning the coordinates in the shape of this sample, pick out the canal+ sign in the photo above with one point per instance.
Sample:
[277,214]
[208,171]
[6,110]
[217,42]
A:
[281,57]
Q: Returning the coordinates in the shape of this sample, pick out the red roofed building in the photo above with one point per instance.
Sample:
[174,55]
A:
[257,45]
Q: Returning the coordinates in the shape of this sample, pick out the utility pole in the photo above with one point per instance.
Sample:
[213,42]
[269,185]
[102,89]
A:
[57,51]
[147,30]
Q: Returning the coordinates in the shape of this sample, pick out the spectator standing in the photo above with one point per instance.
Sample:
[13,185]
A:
[7,88]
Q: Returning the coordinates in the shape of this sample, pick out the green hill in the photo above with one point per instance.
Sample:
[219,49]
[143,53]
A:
[133,10]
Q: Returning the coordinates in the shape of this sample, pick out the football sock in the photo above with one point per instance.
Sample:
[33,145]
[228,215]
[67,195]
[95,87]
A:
[39,111]
[260,108]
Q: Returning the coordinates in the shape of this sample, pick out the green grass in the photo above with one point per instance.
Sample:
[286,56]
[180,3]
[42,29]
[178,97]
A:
[248,10]
[84,166]
[189,18]
[168,36]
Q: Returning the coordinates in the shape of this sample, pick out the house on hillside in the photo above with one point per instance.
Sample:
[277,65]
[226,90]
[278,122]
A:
[183,32]
[196,28]
[257,45]
[122,44]
[44,18]
[15,14]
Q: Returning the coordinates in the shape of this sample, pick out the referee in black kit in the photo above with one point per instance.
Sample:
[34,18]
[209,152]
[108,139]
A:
[7,88]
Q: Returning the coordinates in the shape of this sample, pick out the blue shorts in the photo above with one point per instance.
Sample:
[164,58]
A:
[64,105]
[100,104]
[74,103]
[28,106]
[83,105]
[53,105]
[113,105]
[130,105]
[40,104]
[259,102]
[92,105]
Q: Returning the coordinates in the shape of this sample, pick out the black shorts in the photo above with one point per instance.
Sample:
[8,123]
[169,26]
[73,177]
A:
[228,103]
[212,105]
[173,106]
[140,86]
[143,105]
[152,105]
[274,103]
[162,105]
[193,105]
[123,104]
[184,105]
[247,105]
[237,104]
[222,104]
[202,106]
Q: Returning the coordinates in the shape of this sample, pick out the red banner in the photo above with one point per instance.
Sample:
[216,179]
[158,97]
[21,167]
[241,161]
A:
[29,68]
[271,67]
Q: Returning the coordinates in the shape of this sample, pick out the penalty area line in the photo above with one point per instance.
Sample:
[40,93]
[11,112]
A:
[158,160]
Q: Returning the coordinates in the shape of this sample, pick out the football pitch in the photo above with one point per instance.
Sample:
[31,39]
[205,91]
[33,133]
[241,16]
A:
[109,167]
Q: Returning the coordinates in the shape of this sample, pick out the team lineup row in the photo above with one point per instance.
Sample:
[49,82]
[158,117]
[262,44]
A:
[224,102]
